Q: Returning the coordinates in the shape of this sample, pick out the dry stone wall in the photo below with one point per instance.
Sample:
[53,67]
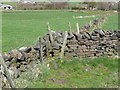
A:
[71,44]
[85,44]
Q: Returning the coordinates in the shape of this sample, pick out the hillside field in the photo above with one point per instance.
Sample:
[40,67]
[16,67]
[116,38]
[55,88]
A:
[22,28]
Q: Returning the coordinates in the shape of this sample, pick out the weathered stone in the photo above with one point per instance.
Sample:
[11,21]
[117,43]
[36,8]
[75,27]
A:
[78,37]
[72,42]
[56,46]
[14,72]
[27,50]
[95,38]
[23,68]
[56,52]
[94,33]
[24,63]
[7,57]
[118,34]
[96,21]
[113,37]
[72,46]
[8,63]
[70,36]
[46,38]
[87,26]
[14,60]
[37,46]
[86,35]
[15,54]
[101,33]
[60,40]
[23,49]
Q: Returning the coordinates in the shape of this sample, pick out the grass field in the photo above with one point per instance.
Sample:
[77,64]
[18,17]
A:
[100,72]
[22,28]
[82,73]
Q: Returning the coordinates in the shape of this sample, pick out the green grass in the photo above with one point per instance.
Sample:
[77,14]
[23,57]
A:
[112,23]
[22,28]
[101,72]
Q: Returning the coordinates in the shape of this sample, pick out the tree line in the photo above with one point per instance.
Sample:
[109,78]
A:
[68,5]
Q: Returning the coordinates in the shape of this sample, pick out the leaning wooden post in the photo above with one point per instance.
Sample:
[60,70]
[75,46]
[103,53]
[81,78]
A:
[1,77]
[69,27]
[40,50]
[49,30]
[78,30]
[64,44]
[99,24]
[90,23]
[12,85]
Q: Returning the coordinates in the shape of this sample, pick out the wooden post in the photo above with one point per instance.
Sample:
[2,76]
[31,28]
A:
[98,24]
[49,30]
[0,77]
[40,51]
[78,30]
[64,44]
[69,27]
[90,23]
[12,85]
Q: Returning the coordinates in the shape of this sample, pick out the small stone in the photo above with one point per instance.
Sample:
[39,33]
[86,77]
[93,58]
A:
[56,46]
[16,54]
[7,57]
[87,35]
[101,32]
[14,72]
[70,36]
